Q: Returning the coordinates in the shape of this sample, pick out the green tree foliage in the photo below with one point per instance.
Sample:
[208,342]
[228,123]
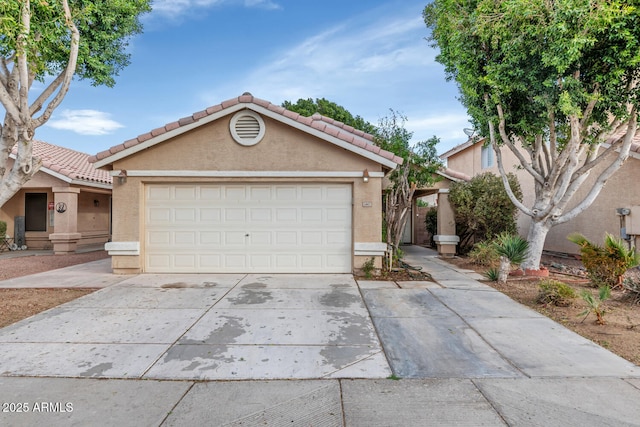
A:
[549,81]
[482,208]
[51,41]
[308,107]
[421,162]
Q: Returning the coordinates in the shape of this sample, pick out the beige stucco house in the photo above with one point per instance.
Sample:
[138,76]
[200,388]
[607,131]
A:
[621,193]
[247,186]
[65,205]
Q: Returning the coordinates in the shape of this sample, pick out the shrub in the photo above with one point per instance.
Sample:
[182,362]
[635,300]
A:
[431,224]
[606,264]
[3,229]
[368,267]
[484,253]
[482,208]
[632,286]
[555,292]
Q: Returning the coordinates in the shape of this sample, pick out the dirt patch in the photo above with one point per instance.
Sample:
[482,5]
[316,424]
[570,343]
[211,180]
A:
[17,304]
[621,332]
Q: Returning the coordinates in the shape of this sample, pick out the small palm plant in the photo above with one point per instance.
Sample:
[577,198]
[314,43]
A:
[595,305]
[512,249]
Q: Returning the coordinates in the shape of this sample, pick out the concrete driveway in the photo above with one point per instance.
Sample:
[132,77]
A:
[202,327]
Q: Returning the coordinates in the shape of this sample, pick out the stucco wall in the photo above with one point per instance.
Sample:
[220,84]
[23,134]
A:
[211,148]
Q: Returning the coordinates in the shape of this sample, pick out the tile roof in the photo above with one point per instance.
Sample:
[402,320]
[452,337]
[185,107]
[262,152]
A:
[69,163]
[318,122]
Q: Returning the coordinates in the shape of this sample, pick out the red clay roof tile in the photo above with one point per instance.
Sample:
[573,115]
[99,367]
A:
[70,163]
[324,124]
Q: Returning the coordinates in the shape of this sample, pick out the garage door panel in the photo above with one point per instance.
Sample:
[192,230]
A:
[236,193]
[185,215]
[311,215]
[253,228]
[159,192]
[235,215]
[210,193]
[158,238]
[185,192]
[260,215]
[210,215]
[210,238]
[157,215]
[185,238]
[234,238]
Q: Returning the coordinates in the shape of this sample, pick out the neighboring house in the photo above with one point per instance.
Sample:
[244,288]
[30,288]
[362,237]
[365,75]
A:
[621,192]
[66,204]
[247,186]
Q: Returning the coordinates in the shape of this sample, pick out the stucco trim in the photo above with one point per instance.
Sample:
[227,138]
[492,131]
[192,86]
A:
[247,174]
[446,239]
[122,248]
[369,248]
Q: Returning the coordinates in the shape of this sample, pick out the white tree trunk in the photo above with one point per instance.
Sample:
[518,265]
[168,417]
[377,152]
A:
[505,268]
[537,235]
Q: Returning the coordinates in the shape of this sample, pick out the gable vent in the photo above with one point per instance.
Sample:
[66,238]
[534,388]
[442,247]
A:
[247,128]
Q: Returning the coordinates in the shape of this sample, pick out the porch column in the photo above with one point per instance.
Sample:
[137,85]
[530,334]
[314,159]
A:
[66,236]
[446,239]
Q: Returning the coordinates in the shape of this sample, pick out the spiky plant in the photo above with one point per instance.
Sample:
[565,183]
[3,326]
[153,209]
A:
[595,305]
[512,249]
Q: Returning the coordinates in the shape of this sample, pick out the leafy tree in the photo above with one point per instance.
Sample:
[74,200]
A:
[421,163]
[482,208]
[49,41]
[308,107]
[550,82]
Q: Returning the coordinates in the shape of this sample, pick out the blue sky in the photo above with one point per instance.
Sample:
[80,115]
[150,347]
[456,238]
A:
[368,56]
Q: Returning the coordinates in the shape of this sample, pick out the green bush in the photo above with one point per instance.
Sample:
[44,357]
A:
[606,264]
[431,224]
[3,229]
[484,253]
[368,267]
[555,292]
[482,208]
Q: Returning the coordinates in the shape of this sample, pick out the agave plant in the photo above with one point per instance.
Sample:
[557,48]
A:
[512,249]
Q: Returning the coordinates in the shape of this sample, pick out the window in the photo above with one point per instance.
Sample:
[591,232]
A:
[35,211]
[487,157]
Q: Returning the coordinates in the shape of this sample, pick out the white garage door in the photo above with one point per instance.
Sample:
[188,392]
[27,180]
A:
[205,228]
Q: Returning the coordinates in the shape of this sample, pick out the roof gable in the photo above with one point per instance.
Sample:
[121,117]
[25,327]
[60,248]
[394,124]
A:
[68,165]
[327,129]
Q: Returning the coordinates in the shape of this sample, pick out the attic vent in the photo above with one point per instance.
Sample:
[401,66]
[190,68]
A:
[247,128]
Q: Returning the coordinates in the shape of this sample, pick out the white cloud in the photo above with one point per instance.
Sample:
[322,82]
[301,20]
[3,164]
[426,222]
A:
[85,122]
[175,8]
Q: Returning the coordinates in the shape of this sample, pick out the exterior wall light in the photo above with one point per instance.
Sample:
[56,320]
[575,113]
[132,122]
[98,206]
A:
[365,175]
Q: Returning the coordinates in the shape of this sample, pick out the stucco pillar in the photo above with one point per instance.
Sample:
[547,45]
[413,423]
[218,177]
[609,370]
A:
[66,236]
[446,239]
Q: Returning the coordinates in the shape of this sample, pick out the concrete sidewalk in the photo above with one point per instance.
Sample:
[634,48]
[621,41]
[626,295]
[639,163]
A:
[467,355]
